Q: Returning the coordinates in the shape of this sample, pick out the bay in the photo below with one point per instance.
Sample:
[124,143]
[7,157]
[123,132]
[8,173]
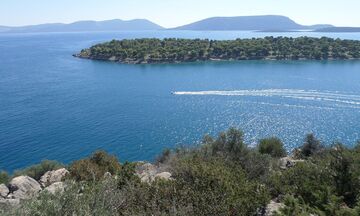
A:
[55,106]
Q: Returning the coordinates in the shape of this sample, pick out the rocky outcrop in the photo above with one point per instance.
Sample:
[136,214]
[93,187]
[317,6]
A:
[57,187]
[54,176]
[23,187]
[107,175]
[148,172]
[164,176]
[4,191]
[9,202]
[273,207]
[288,162]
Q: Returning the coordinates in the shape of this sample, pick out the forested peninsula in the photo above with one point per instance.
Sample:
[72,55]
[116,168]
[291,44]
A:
[172,50]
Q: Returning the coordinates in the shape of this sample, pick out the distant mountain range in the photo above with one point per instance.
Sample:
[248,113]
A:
[267,23]
[87,26]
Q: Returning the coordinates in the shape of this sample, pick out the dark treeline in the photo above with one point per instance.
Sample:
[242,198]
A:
[171,50]
[220,176]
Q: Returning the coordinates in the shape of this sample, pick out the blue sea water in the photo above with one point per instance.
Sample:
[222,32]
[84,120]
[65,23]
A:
[55,106]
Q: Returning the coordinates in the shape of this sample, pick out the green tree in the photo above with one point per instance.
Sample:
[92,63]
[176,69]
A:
[272,146]
[311,146]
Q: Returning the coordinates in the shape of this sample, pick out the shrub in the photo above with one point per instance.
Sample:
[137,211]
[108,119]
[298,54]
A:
[296,207]
[345,166]
[94,167]
[357,147]
[257,166]
[229,144]
[126,175]
[38,170]
[311,146]
[4,177]
[164,156]
[309,181]
[98,198]
[272,146]
[215,187]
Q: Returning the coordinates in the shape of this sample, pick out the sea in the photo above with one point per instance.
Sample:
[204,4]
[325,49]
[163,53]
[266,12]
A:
[58,107]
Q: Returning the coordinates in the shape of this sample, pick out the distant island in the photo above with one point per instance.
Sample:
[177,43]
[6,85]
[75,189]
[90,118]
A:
[171,50]
[249,23]
[339,29]
[86,26]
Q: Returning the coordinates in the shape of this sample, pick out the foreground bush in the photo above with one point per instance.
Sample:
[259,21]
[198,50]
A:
[311,146]
[327,184]
[272,146]
[4,177]
[216,187]
[94,167]
[39,170]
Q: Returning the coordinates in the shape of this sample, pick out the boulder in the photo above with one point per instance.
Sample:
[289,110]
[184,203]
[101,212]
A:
[57,187]
[273,207]
[4,190]
[163,175]
[51,177]
[23,187]
[146,168]
[288,162]
[8,203]
[107,175]
[146,172]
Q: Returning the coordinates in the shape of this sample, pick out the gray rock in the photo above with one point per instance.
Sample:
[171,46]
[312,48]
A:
[146,172]
[8,203]
[273,207]
[107,175]
[57,187]
[146,168]
[51,177]
[23,187]
[164,176]
[4,190]
[288,162]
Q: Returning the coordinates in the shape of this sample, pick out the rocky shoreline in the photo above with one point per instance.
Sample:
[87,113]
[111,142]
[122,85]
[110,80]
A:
[22,188]
[222,174]
[25,187]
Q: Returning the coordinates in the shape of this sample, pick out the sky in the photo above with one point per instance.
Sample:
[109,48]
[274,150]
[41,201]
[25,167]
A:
[172,13]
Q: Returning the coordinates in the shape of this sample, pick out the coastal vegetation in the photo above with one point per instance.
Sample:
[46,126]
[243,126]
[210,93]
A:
[221,176]
[171,50]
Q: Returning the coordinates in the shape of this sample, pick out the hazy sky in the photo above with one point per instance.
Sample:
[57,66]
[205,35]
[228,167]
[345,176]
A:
[171,13]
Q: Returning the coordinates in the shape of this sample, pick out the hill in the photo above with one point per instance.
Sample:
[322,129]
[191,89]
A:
[85,26]
[247,23]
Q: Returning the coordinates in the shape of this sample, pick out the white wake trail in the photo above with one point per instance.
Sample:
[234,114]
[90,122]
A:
[313,95]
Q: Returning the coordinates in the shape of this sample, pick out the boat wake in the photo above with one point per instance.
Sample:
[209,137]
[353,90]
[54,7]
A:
[313,95]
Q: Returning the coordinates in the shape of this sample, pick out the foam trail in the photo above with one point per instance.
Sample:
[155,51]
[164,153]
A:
[313,95]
